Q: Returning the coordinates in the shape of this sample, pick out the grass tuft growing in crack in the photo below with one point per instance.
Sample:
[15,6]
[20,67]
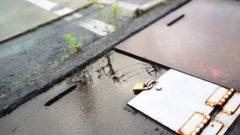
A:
[17,83]
[114,14]
[114,11]
[74,44]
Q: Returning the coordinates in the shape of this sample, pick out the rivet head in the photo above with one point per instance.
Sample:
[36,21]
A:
[223,100]
[193,133]
[204,121]
[197,130]
[158,87]
[201,125]
[229,93]
[208,117]
[226,96]
[220,103]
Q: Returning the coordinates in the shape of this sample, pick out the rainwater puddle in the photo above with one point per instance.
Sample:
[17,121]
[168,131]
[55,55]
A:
[98,105]
[24,46]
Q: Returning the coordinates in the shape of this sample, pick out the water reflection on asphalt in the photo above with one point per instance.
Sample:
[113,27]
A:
[97,106]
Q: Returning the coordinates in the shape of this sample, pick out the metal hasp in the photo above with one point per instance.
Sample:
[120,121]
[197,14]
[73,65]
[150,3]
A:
[201,38]
[186,104]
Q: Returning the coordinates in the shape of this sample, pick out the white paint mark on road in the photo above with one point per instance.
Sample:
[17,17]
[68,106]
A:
[128,6]
[63,11]
[124,5]
[72,17]
[107,2]
[49,6]
[45,4]
[96,26]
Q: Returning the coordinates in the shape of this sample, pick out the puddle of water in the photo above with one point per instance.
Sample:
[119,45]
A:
[24,46]
[97,106]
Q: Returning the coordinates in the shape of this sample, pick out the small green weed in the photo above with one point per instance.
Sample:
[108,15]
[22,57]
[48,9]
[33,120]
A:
[73,43]
[103,19]
[2,95]
[34,28]
[17,83]
[35,72]
[28,76]
[114,14]
[50,21]
[96,3]
[64,57]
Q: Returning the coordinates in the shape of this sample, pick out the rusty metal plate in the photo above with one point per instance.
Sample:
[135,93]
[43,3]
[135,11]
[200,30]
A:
[202,39]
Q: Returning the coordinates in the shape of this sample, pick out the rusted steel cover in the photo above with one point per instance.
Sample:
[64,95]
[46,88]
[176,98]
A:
[202,39]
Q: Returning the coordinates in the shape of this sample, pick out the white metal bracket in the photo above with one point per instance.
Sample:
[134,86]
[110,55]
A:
[185,103]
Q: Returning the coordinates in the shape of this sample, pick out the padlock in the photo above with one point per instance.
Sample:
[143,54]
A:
[138,87]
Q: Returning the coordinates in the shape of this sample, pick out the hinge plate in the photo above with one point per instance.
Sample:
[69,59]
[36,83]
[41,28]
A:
[183,96]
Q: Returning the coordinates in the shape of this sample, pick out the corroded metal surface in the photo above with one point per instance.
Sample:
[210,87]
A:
[202,39]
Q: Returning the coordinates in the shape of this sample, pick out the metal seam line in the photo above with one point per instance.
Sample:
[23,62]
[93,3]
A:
[96,26]
[49,6]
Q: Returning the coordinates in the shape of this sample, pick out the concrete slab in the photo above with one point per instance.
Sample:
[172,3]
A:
[19,16]
[72,4]
[202,39]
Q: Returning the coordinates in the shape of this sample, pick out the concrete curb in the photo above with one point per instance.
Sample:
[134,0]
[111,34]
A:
[43,24]
[82,59]
[148,6]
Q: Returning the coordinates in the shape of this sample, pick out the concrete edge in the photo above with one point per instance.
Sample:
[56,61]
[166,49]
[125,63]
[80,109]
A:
[43,24]
[88,54]
[148,6]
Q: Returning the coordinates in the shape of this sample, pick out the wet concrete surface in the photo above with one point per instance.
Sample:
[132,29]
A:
[34,81]
[97,106]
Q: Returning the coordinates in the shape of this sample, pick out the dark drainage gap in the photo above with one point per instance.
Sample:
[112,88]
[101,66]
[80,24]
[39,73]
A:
[215,111]
[175,20]
[59,96]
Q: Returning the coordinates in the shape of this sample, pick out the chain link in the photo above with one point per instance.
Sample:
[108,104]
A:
[148,84]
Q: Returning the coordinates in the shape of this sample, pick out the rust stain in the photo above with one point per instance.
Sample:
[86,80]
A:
[205,120]
[217,74]
[198,44]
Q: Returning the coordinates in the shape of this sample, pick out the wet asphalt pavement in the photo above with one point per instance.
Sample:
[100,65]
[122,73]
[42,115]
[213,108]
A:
[97,106]
[35,65]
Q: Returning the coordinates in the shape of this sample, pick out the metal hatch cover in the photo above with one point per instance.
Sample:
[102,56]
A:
[182,104]
[201,38]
